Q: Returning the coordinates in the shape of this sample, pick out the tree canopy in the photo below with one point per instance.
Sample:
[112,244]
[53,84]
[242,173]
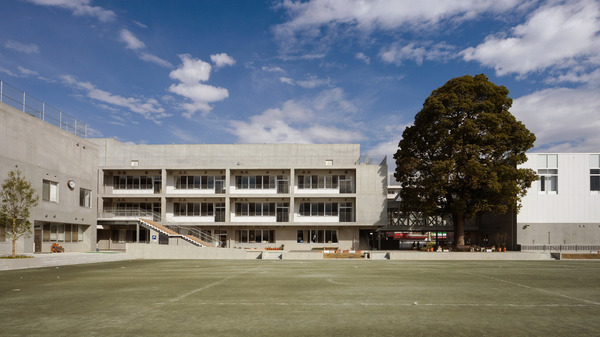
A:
[16,198]
[460,156]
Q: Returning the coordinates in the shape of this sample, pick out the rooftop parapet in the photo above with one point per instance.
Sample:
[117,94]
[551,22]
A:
[20,100]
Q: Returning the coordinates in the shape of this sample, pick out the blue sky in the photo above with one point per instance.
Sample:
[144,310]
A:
[320,71]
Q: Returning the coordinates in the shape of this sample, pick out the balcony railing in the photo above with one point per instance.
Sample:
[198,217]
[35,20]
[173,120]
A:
[130,213]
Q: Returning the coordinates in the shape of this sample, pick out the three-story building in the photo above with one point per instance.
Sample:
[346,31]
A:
[300,196]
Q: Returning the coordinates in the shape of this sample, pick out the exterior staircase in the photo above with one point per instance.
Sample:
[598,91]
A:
[153,225]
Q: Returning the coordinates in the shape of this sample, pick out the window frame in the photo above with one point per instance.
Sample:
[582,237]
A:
[49,193]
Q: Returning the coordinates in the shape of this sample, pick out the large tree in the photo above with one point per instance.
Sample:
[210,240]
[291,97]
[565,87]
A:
[17,197]
[461,154]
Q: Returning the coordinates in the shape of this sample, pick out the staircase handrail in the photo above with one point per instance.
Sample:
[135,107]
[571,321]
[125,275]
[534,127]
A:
[140,213]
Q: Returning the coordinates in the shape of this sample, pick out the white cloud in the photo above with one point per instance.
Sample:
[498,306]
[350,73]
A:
[139,24]
[286,80]
[222,59]
[135,44]
[155,59]
[27,72]
[308,17]
[310,82]
[79,8]
[301,122]
[313,82]
[8,72]
[149,108]
[557,35]
[273,69]
[190,73]
[396,53]
[361,56]
[563,119]
[30,48]
[131,42]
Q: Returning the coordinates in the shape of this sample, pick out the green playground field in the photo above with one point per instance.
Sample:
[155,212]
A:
[303,298]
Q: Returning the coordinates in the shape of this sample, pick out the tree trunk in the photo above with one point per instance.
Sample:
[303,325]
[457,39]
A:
[459,230]
[14,237]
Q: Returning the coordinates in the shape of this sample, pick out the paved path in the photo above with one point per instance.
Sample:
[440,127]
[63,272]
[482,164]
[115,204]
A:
[61,259]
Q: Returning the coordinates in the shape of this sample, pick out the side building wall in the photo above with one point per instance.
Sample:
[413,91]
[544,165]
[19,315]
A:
[49,158]
[563,206]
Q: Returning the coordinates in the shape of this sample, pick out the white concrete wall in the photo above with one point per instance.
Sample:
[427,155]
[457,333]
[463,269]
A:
[569,217]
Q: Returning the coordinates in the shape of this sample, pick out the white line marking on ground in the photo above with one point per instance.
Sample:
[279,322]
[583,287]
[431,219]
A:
[556,305]
[336,282]
[206,287]
[538,289]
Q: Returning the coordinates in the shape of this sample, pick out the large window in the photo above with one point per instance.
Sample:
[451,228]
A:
[318,209]
[548,173]
[317,181]
[193,209]
[255,236]
[255,209]
[54,232]
[595,173]
[341,182]
[50,191]
[198,182]
[255,182]
[85,198]
[317,236]
[134,182]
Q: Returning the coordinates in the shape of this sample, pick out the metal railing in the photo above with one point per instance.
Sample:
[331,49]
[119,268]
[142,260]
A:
[133,213]
[202,234]
[20,100]
[561,248]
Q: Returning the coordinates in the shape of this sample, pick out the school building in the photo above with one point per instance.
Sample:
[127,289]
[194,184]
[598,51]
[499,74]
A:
[103,194]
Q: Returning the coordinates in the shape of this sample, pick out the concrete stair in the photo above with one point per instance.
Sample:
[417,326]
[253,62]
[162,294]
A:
[150,224]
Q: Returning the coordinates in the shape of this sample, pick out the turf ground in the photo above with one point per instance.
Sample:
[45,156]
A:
[304,298]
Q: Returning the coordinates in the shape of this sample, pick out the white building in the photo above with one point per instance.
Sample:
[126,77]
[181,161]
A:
[562,208]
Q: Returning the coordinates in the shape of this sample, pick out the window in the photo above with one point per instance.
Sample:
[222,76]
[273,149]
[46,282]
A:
[85,198]
[193,209]
[255,182]
[56,232]
[255,236]
[134,182]
[255,209]
[318,209]
[318,181]
[595,173]
[548,173]
[346,212]
[317,236]
[50,191]
[197,182]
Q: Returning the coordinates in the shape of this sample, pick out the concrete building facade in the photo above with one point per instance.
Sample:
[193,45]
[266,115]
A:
[62,168]
[299,196]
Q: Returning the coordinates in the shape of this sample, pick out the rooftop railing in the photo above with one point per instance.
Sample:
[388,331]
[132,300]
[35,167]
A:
[20,100]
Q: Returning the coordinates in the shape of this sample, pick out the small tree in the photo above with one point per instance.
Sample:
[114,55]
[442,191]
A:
[17,198]
[461,154]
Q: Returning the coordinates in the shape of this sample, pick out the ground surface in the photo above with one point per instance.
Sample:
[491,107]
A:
[297,298]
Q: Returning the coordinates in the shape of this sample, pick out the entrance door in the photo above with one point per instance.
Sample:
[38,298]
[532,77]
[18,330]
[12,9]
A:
[37,239]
